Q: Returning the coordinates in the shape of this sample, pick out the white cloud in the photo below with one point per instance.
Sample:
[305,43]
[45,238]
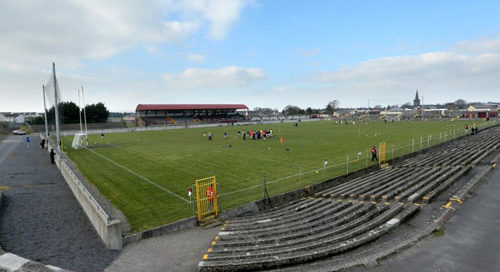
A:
[35,33]
[469,70]
[197,58]
[479,46]
[226,77]
[38,32]
[218,14]
[150,49]
[309,53]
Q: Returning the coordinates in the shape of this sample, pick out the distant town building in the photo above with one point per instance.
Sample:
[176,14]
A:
[416,101]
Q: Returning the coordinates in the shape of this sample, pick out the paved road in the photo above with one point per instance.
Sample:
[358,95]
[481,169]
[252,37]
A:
[471,239]
[40,218]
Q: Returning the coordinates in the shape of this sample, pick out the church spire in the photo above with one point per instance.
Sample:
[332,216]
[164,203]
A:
[416,101]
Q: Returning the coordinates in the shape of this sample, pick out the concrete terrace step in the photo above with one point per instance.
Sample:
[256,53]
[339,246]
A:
[335,213]
[296,231]
[274,212]
[300,238]
[322,249]
[298,214]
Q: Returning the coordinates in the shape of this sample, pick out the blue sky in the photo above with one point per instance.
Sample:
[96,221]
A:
[260,53]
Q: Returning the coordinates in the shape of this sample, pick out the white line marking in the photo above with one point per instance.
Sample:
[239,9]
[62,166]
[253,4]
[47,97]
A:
[139,175]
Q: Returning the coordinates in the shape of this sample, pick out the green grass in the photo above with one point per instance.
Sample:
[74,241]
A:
[174,159]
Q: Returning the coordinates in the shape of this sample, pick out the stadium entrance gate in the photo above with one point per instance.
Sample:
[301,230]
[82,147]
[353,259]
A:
[206,200]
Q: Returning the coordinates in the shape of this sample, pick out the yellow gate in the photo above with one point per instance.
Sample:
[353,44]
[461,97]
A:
[206,199]
[381,151]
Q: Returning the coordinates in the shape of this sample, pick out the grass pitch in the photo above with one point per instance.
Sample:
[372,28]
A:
[147,174]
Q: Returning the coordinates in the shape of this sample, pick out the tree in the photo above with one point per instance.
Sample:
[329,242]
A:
[68,112]
[293,110]
[332,106]
[407,105]
[263,111]
[96,113]
[461,104]
[309,111]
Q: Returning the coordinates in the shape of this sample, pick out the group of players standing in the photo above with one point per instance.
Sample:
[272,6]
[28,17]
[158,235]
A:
[251,134]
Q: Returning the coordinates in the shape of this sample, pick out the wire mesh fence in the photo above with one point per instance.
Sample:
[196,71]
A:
[300,176]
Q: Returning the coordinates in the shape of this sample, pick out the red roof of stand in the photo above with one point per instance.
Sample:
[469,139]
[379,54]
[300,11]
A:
[143,107]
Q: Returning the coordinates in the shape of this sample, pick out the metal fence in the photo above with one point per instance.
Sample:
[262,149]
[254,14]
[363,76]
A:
[303,176]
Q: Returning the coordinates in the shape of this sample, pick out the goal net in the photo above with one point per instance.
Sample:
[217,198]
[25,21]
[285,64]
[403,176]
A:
[80,141]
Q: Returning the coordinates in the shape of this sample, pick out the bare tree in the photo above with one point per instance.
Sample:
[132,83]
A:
[332,106]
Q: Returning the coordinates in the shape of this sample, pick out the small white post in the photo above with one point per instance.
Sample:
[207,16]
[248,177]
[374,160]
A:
[300,175]
[347,164]
[366,164]
[421,142]
[412,144]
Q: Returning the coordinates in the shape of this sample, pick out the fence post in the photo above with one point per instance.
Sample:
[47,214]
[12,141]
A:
[440,136]
[392,152]
[323,171]
[421,142]
[366,165]
[300,175]
[347,164]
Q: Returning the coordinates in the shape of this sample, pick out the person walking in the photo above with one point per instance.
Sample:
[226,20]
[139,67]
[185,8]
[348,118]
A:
[42,143]
[374,153]
[27,141]
[52,156]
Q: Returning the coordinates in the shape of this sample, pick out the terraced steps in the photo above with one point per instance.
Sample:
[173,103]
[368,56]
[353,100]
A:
[345,216]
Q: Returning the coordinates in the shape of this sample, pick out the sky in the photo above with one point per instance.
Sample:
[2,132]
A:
[260,53]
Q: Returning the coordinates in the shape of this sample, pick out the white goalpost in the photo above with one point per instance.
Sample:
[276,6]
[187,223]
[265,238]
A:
[80,140]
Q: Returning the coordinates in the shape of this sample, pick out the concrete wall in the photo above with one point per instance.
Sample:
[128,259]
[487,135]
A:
[108,229]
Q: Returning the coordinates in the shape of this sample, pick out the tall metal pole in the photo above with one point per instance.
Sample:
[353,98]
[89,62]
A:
[347,159]
[56,106]
[45,114]
[80,111]
[84,113]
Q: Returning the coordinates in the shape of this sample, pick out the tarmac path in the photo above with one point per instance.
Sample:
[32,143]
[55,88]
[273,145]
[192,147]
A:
[40,218]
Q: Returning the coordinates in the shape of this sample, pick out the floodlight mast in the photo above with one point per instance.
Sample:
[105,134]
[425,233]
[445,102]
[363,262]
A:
[58,132]
[45,113]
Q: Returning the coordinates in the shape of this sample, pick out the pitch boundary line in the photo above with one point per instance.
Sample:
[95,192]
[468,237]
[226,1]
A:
[139,175]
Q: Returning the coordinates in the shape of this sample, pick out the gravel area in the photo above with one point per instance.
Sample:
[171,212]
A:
[40,218]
